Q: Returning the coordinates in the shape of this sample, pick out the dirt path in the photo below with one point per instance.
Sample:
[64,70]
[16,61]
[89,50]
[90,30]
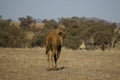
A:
[30,64]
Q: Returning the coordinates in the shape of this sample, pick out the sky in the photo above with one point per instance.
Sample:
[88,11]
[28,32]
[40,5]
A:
[53,9]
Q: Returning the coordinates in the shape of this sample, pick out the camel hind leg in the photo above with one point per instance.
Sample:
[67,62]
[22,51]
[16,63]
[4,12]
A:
[47,49]
[49,61]
[48,56]
[57,56]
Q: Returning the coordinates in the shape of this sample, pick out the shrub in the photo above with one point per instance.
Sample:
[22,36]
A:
[11,37]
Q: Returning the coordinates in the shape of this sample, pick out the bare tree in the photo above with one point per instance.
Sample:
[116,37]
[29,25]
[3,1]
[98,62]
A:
[116,34]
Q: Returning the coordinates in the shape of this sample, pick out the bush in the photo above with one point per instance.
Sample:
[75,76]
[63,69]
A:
[102,32]
[11,37]
[39,39]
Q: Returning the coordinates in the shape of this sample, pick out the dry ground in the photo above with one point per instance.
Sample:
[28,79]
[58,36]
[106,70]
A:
[30,64]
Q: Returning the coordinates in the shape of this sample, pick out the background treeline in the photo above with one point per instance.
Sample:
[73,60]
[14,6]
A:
[27,32]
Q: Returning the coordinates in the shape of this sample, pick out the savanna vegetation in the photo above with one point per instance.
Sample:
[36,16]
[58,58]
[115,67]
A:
[29,33]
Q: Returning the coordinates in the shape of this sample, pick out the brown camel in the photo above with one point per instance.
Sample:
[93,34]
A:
[54,44]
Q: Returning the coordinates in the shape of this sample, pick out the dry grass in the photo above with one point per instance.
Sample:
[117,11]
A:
[30,64]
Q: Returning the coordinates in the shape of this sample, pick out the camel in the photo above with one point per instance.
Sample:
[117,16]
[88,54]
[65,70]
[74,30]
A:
[54,44]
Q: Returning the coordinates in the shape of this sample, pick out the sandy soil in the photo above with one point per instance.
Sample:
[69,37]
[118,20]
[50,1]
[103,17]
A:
[31,64]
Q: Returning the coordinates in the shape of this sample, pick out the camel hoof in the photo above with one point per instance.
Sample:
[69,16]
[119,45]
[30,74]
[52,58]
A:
[49,69]
[55,69]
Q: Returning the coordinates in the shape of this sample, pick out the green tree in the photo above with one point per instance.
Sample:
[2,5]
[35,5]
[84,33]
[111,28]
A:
[50,24]
[26,21]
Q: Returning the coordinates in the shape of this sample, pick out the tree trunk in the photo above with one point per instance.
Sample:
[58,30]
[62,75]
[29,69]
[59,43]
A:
[113,41]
